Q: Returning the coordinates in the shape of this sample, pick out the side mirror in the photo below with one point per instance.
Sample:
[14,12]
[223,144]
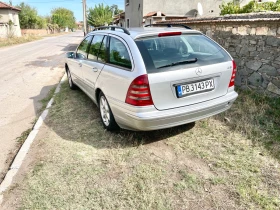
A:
[70,55]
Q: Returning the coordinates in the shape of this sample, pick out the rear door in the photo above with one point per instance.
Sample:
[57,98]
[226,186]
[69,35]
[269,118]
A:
[185,69]
[95,62]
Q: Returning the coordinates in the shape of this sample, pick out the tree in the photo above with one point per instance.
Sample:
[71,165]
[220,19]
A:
[252,6]
[100,15]
[41,22]
[63,18]
[115,9]
[28,16]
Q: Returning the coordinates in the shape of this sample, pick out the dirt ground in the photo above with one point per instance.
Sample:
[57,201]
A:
[27,73]
[75,164]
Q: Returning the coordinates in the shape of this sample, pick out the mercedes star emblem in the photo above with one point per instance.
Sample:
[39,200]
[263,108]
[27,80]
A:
[198,71]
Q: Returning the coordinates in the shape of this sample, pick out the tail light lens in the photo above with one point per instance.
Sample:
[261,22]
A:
[234,70]
[139,93]
[169,34]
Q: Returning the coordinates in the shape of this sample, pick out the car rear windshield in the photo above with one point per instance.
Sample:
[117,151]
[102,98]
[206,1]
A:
[179,52]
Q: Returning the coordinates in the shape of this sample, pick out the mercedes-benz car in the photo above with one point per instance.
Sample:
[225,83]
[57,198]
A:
[152,77]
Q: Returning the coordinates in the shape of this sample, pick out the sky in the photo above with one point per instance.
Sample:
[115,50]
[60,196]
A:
[45,6]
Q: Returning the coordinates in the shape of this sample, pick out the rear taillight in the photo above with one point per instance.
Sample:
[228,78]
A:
[234,69]
[139,93]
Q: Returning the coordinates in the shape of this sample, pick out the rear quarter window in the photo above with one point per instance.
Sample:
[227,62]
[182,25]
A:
[169,53]
[118,54]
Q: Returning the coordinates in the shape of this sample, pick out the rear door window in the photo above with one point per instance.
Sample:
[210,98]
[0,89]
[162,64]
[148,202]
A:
[83,48]
[118,54]
[177,52]
[102,56]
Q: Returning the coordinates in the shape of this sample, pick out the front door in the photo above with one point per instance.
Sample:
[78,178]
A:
[76,64]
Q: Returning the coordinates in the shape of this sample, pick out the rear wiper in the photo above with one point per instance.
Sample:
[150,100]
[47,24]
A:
[194,60]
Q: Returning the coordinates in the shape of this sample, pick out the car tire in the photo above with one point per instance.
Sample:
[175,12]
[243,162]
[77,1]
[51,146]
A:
[106,114]
[70,81]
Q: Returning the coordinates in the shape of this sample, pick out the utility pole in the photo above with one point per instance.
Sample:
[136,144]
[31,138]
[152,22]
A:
[85,17]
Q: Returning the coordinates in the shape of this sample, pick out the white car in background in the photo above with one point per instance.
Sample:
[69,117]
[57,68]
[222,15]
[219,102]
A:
[152,78]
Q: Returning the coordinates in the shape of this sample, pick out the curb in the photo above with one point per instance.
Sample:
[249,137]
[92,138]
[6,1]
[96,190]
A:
[6,183]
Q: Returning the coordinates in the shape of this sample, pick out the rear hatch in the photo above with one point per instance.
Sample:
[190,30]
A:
[185,69]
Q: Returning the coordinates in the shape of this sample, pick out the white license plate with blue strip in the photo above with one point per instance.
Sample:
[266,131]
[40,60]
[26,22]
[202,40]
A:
[189,89]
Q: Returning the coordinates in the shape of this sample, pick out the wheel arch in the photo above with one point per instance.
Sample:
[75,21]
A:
[97,92]
[66,67]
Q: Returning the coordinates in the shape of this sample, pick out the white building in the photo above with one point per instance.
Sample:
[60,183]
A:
[9,21]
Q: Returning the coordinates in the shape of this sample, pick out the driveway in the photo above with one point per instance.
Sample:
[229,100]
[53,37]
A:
[27,73]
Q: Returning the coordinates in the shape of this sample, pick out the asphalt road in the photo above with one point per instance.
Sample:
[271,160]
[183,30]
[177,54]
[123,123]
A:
[27,73]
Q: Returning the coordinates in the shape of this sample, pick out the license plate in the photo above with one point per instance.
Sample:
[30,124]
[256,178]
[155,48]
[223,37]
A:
[188,89]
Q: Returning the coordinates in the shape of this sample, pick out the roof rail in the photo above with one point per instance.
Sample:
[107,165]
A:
[113,28]
[168,25]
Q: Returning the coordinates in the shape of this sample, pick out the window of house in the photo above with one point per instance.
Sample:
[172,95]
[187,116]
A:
[119,54]
[15,19]
[127,2]
[83,48]
[127,23]
[95,46]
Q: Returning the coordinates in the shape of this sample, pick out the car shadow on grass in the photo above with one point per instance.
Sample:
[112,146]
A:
[74,117]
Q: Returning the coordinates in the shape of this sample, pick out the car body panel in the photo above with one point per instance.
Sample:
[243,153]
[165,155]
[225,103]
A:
[149,118]
[91,71]
[75,68]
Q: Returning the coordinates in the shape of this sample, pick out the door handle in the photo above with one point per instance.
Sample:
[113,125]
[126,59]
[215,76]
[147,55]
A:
[94,69]
[80,64]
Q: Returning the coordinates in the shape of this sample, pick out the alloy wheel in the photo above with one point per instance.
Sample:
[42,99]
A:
[104,110]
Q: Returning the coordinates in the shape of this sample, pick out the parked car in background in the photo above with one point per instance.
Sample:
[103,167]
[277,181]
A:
[152,78]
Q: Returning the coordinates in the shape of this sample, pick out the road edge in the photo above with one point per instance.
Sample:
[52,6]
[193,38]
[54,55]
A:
[20,156]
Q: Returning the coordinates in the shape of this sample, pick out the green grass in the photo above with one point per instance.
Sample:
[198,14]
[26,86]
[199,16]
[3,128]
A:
[211,164]
[21,139]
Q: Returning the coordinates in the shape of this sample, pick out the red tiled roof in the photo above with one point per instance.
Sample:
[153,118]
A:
[150,14]
[7,6]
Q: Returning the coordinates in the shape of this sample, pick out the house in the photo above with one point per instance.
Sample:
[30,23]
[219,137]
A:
[79,25]
[140,12]
[119,19]
[9,21]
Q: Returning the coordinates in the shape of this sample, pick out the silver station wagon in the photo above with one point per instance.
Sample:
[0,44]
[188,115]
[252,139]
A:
[154,77]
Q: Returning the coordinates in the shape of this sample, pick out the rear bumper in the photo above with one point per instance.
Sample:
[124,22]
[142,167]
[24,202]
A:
[149,118]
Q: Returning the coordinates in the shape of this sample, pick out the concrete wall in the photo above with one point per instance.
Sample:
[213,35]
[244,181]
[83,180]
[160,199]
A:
[134,12]
[255,46]
[5,30]
[39,32]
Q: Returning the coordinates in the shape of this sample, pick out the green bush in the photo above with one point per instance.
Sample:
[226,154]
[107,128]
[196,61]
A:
[229,8]
[252,6]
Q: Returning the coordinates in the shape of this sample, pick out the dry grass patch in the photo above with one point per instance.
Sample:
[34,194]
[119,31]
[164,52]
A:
[256,117]
[206,165]
[18,40]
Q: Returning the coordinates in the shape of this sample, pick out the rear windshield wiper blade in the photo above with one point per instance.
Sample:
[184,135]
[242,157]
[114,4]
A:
[194,60]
